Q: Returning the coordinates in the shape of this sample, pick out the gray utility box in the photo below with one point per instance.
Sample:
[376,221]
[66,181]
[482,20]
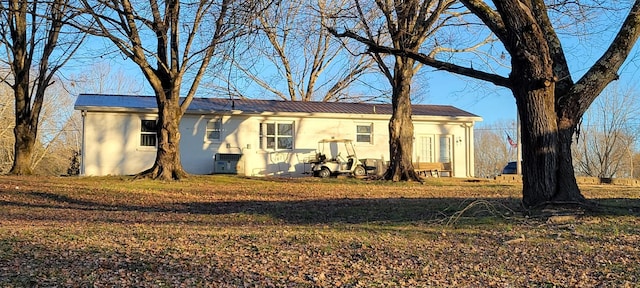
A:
[374,166]
[226,163]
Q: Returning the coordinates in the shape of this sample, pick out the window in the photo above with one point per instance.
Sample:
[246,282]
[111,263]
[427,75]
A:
[214,130]
[423,148]
[149,133]
[432,148]
[276,135]
[363,133]
[445,149]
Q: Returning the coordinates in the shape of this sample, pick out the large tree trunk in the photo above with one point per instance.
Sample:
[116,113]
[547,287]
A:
[26,125]
[23,131]
[548,174]
[539,145]
[401,124]
[25,139]
[533,86]
[546,141]
[167,165]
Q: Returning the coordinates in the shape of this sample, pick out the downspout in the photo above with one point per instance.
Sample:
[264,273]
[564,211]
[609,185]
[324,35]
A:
[470,150]
[83,113]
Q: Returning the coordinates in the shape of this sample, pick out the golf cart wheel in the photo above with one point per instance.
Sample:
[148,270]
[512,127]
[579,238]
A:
[359,171]
[324,172]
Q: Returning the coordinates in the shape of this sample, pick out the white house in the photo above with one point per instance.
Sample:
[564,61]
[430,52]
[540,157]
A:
[261,137]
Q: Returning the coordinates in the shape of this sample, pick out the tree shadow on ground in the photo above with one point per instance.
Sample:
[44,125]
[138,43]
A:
[326,211]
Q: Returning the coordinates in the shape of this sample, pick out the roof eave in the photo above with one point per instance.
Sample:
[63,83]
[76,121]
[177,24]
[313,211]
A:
[115,109]
[284,114]
[447,118]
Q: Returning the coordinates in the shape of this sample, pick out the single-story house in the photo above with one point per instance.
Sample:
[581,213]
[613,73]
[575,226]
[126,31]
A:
[262,137]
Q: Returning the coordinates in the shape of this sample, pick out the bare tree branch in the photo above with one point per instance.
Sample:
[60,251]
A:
[425,59]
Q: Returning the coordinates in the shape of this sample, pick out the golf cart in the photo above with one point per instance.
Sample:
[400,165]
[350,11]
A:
[336,156]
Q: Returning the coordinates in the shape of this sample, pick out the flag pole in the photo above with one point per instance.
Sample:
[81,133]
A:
[518,147]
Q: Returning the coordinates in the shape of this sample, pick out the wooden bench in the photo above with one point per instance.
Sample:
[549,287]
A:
[432,169]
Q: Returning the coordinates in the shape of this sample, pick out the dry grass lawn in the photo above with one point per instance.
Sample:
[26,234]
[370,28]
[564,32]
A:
[227,231]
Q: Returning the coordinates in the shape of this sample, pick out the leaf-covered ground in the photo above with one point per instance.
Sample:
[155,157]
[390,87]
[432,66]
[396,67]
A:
[225,231]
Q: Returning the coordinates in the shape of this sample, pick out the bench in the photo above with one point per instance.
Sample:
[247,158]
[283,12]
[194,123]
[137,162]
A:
[432,169]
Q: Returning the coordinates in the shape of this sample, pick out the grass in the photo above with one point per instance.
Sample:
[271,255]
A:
[227,231]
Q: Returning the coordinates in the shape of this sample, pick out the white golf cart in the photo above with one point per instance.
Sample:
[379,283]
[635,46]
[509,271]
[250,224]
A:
[337,156]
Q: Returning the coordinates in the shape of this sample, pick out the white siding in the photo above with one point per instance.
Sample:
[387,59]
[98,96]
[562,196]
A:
[111,142]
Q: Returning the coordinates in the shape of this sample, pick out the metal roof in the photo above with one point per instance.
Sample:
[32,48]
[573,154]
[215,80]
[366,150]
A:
[104,102]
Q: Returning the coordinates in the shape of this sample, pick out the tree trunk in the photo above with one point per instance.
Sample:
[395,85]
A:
[26,126]
[548,174]
[567,189]
[539,145]
[401,124]
[25,139]
[534,89]
[167,165]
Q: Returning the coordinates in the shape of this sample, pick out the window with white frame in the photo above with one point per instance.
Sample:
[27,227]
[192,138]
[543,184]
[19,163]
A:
[148,133]
[276,135]
[364,133]
[423,148]
[214,130]
[445,149]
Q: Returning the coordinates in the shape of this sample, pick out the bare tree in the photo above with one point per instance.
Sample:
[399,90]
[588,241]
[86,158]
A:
[606,139]
[550,103]
[52,148]
[296,59]
[100,78]
[172,43]
[37,46]
[406,26]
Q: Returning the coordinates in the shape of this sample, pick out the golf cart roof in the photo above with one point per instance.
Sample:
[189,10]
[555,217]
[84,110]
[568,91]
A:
[335,141]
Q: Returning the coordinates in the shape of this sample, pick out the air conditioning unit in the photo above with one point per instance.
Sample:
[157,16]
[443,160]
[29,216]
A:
[226,163]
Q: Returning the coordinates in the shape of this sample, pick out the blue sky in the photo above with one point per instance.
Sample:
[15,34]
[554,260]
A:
[492,103]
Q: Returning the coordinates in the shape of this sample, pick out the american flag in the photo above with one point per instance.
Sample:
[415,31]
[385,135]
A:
[511,142]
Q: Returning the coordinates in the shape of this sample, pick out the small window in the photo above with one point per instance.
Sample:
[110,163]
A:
[445,149]
[149,133]
[363,133]
[214,130]
[276,135]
